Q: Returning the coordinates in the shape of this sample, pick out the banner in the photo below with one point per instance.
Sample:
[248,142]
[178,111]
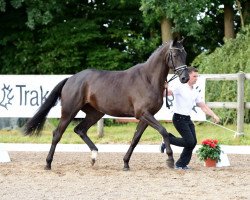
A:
[22,95]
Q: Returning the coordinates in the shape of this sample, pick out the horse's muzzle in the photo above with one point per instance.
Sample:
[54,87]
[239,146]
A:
[184,79]
[182,71]
[184,76]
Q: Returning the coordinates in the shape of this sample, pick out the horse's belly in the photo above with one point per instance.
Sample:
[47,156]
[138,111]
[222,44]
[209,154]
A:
[116,108]
[121,105]
[117,111]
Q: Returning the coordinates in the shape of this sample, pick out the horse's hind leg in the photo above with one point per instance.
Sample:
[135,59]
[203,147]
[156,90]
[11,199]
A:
[57,135]
[138,133]
[92,116]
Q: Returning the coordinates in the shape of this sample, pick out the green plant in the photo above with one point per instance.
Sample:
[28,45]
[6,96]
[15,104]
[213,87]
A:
[232,57]
[209,149]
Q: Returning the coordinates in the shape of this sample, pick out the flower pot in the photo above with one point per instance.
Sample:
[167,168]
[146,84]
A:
[210,163]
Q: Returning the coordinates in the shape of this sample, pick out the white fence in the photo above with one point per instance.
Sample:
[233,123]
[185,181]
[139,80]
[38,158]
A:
[240,105]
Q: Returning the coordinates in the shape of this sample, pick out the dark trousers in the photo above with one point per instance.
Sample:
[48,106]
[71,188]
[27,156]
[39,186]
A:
[185,127]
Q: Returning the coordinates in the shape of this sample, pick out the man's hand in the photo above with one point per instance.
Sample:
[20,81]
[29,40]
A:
[216,119]
[166,85]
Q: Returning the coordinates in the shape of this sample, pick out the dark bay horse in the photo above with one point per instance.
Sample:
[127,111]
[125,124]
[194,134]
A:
[135,92]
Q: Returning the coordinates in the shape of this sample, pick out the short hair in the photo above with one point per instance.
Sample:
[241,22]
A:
[192,69]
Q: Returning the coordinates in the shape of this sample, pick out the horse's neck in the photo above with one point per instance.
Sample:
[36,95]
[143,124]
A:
[156,68]
[154,71]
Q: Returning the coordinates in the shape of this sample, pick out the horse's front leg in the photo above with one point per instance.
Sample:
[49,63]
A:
[150,120]
[138,133]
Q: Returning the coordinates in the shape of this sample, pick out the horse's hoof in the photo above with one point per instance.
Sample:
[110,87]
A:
[170,163]
[92,162]
[126,169]
[126,166]
[93,156]
[47,167]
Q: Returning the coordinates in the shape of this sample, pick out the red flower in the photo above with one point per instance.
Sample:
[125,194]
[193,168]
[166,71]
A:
[212,145]
[209,142]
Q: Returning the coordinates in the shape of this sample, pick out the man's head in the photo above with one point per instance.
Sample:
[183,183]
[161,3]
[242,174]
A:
[193,75]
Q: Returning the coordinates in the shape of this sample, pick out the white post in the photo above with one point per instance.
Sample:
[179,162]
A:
[100,131]
[240,104]
[4,156]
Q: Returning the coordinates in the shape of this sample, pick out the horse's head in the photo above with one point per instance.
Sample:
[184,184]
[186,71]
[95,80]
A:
[176,60]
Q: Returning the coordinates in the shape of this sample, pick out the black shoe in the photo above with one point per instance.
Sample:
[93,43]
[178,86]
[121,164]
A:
[162,147]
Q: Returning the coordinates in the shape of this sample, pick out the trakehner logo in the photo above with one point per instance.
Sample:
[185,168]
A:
[7,96]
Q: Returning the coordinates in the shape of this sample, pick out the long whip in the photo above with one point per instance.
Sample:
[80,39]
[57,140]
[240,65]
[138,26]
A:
[221,126]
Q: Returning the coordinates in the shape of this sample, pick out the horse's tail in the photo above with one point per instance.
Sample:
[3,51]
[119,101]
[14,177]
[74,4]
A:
[36,123]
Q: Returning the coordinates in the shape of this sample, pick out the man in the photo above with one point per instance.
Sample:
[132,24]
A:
[186,97]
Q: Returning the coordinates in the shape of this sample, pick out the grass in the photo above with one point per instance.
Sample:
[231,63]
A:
[123,133]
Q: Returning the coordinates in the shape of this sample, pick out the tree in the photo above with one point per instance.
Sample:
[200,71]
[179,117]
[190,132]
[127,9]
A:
[38,12]
[243,8]
[104,34]
[245,5]
[181,14]
[65,37]
[228,20]
[191,19]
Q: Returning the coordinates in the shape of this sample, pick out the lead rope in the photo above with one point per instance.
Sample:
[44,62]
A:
[172,78]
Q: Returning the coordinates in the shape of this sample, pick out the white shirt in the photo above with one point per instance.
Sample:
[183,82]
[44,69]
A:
[185,98]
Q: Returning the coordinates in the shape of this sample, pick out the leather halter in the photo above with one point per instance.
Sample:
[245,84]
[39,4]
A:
[176,69]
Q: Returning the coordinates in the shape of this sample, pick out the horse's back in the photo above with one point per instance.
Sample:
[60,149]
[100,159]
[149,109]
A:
[103,90]
[106,79]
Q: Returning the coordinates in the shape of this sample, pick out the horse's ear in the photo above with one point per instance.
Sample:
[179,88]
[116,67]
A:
[175,41]
[182,40]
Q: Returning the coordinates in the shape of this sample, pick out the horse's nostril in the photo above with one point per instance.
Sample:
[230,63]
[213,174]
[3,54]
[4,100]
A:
[184,79]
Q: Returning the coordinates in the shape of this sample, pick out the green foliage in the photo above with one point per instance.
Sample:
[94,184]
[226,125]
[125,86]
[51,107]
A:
[141,48]
[38,12]
[65,37]
[80,35]
[232,57]
[16,3]
[62,48]
[2,5]
[112,59]
[182,13]
[200,22]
